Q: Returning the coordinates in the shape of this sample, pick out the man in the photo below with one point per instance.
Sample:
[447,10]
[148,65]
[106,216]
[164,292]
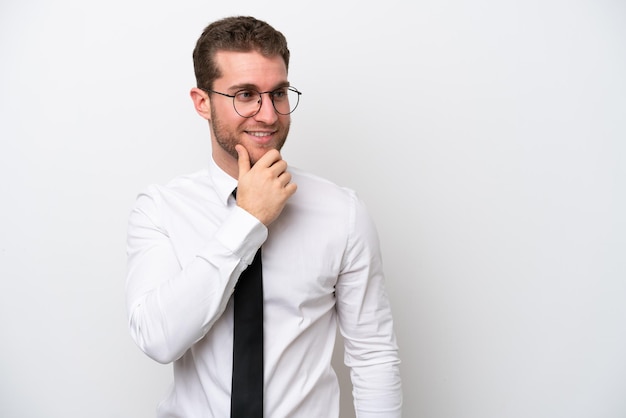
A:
[191,241]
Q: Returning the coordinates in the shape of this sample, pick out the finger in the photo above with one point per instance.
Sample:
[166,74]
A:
[269,158]
[285,178]
[279,167]
[290,188]
[244,159]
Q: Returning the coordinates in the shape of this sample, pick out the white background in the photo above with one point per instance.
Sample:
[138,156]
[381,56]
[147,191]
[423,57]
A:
[487,138]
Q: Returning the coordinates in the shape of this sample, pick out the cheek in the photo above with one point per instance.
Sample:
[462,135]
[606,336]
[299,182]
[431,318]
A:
[226,115]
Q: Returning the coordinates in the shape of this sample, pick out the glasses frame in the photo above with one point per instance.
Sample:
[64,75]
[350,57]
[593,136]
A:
[261,93]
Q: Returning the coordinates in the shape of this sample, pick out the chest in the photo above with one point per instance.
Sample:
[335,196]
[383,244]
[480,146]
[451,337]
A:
[302,255]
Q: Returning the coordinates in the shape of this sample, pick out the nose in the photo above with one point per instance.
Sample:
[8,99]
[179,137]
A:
[267,114]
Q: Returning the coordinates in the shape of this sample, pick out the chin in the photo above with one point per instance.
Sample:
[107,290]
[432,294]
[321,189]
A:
[258,154]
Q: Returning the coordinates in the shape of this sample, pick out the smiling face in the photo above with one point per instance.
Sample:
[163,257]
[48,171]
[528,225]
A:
[259,133]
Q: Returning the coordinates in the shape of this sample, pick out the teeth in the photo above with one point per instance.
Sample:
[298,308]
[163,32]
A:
[260,133]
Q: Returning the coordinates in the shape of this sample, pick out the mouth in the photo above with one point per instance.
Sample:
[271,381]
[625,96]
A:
[261,137]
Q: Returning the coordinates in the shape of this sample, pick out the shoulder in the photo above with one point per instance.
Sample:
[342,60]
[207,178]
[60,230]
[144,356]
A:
[184,182]
[319,195]
[183,188]
[328,206]
[313,186]
[180,184]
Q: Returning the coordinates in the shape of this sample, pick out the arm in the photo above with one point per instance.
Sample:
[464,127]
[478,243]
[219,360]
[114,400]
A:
[366,323]
[171,306]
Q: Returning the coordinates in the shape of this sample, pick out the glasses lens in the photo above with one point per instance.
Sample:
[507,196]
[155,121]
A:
[248,102]
[285,100]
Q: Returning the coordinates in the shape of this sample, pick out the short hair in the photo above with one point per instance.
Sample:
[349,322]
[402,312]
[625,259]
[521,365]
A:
[237,33]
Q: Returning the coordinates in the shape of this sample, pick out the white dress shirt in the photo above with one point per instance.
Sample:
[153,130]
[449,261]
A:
[188,242]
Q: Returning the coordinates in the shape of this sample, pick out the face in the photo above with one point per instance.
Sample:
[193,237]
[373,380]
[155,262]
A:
[259,133]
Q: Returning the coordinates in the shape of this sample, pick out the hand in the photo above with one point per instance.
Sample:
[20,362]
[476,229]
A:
[264,188]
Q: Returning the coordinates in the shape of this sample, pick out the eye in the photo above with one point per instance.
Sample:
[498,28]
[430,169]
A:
[280,93]
[246,96]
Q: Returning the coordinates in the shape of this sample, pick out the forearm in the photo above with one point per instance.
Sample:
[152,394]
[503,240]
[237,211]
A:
[376,381]
[172,303]
[167,319]
[371,353]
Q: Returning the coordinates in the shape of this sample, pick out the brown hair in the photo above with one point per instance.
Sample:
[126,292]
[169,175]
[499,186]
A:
[238,33]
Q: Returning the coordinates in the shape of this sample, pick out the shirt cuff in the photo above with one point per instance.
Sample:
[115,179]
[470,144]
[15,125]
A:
[242,234]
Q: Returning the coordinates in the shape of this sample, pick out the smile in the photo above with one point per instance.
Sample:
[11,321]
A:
[260,134]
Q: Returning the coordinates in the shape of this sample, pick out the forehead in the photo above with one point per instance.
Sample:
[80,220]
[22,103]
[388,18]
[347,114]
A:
[250,68]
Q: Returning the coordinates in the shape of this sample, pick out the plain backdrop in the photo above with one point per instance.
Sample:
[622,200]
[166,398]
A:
[487,138]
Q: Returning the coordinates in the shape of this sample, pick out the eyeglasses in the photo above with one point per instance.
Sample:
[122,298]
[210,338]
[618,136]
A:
[248,102]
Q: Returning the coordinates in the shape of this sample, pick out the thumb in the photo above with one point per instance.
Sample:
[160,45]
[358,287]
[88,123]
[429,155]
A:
[243,160]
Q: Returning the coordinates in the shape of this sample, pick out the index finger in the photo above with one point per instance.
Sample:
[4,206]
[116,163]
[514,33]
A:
[244,159]
[269,158]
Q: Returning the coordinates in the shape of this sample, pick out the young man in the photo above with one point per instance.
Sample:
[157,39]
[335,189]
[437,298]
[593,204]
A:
[191,242]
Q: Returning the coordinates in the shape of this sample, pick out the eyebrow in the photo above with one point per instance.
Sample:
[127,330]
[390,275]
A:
[250,86]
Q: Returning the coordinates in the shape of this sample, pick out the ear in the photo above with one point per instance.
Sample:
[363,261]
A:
[201,102]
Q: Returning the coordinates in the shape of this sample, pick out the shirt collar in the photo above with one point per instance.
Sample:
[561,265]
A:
[224,184]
